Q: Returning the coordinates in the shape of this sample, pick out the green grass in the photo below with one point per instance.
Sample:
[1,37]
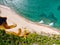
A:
[32,38]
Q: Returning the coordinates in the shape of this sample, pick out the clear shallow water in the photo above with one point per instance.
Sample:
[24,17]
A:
[37,10]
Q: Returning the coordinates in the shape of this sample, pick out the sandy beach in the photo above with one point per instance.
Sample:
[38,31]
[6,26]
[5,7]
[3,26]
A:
[22,23]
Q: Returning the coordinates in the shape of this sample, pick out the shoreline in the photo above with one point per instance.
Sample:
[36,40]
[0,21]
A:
[36,25]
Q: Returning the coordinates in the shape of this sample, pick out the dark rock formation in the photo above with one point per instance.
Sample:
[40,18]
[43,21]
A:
[2,20]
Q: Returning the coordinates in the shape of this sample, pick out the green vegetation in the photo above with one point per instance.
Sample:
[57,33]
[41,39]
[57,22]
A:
[32,38]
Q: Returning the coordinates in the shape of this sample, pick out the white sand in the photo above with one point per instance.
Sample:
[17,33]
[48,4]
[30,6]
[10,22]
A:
[12,17]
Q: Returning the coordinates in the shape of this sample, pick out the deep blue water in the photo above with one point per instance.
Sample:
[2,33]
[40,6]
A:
[37,10]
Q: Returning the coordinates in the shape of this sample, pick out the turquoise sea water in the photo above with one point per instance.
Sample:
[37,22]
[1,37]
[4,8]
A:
[37,10]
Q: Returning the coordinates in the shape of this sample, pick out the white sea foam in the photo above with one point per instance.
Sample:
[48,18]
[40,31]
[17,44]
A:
[51,24]
[41,21]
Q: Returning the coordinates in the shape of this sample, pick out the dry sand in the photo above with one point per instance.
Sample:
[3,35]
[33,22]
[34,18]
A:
[22,23]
